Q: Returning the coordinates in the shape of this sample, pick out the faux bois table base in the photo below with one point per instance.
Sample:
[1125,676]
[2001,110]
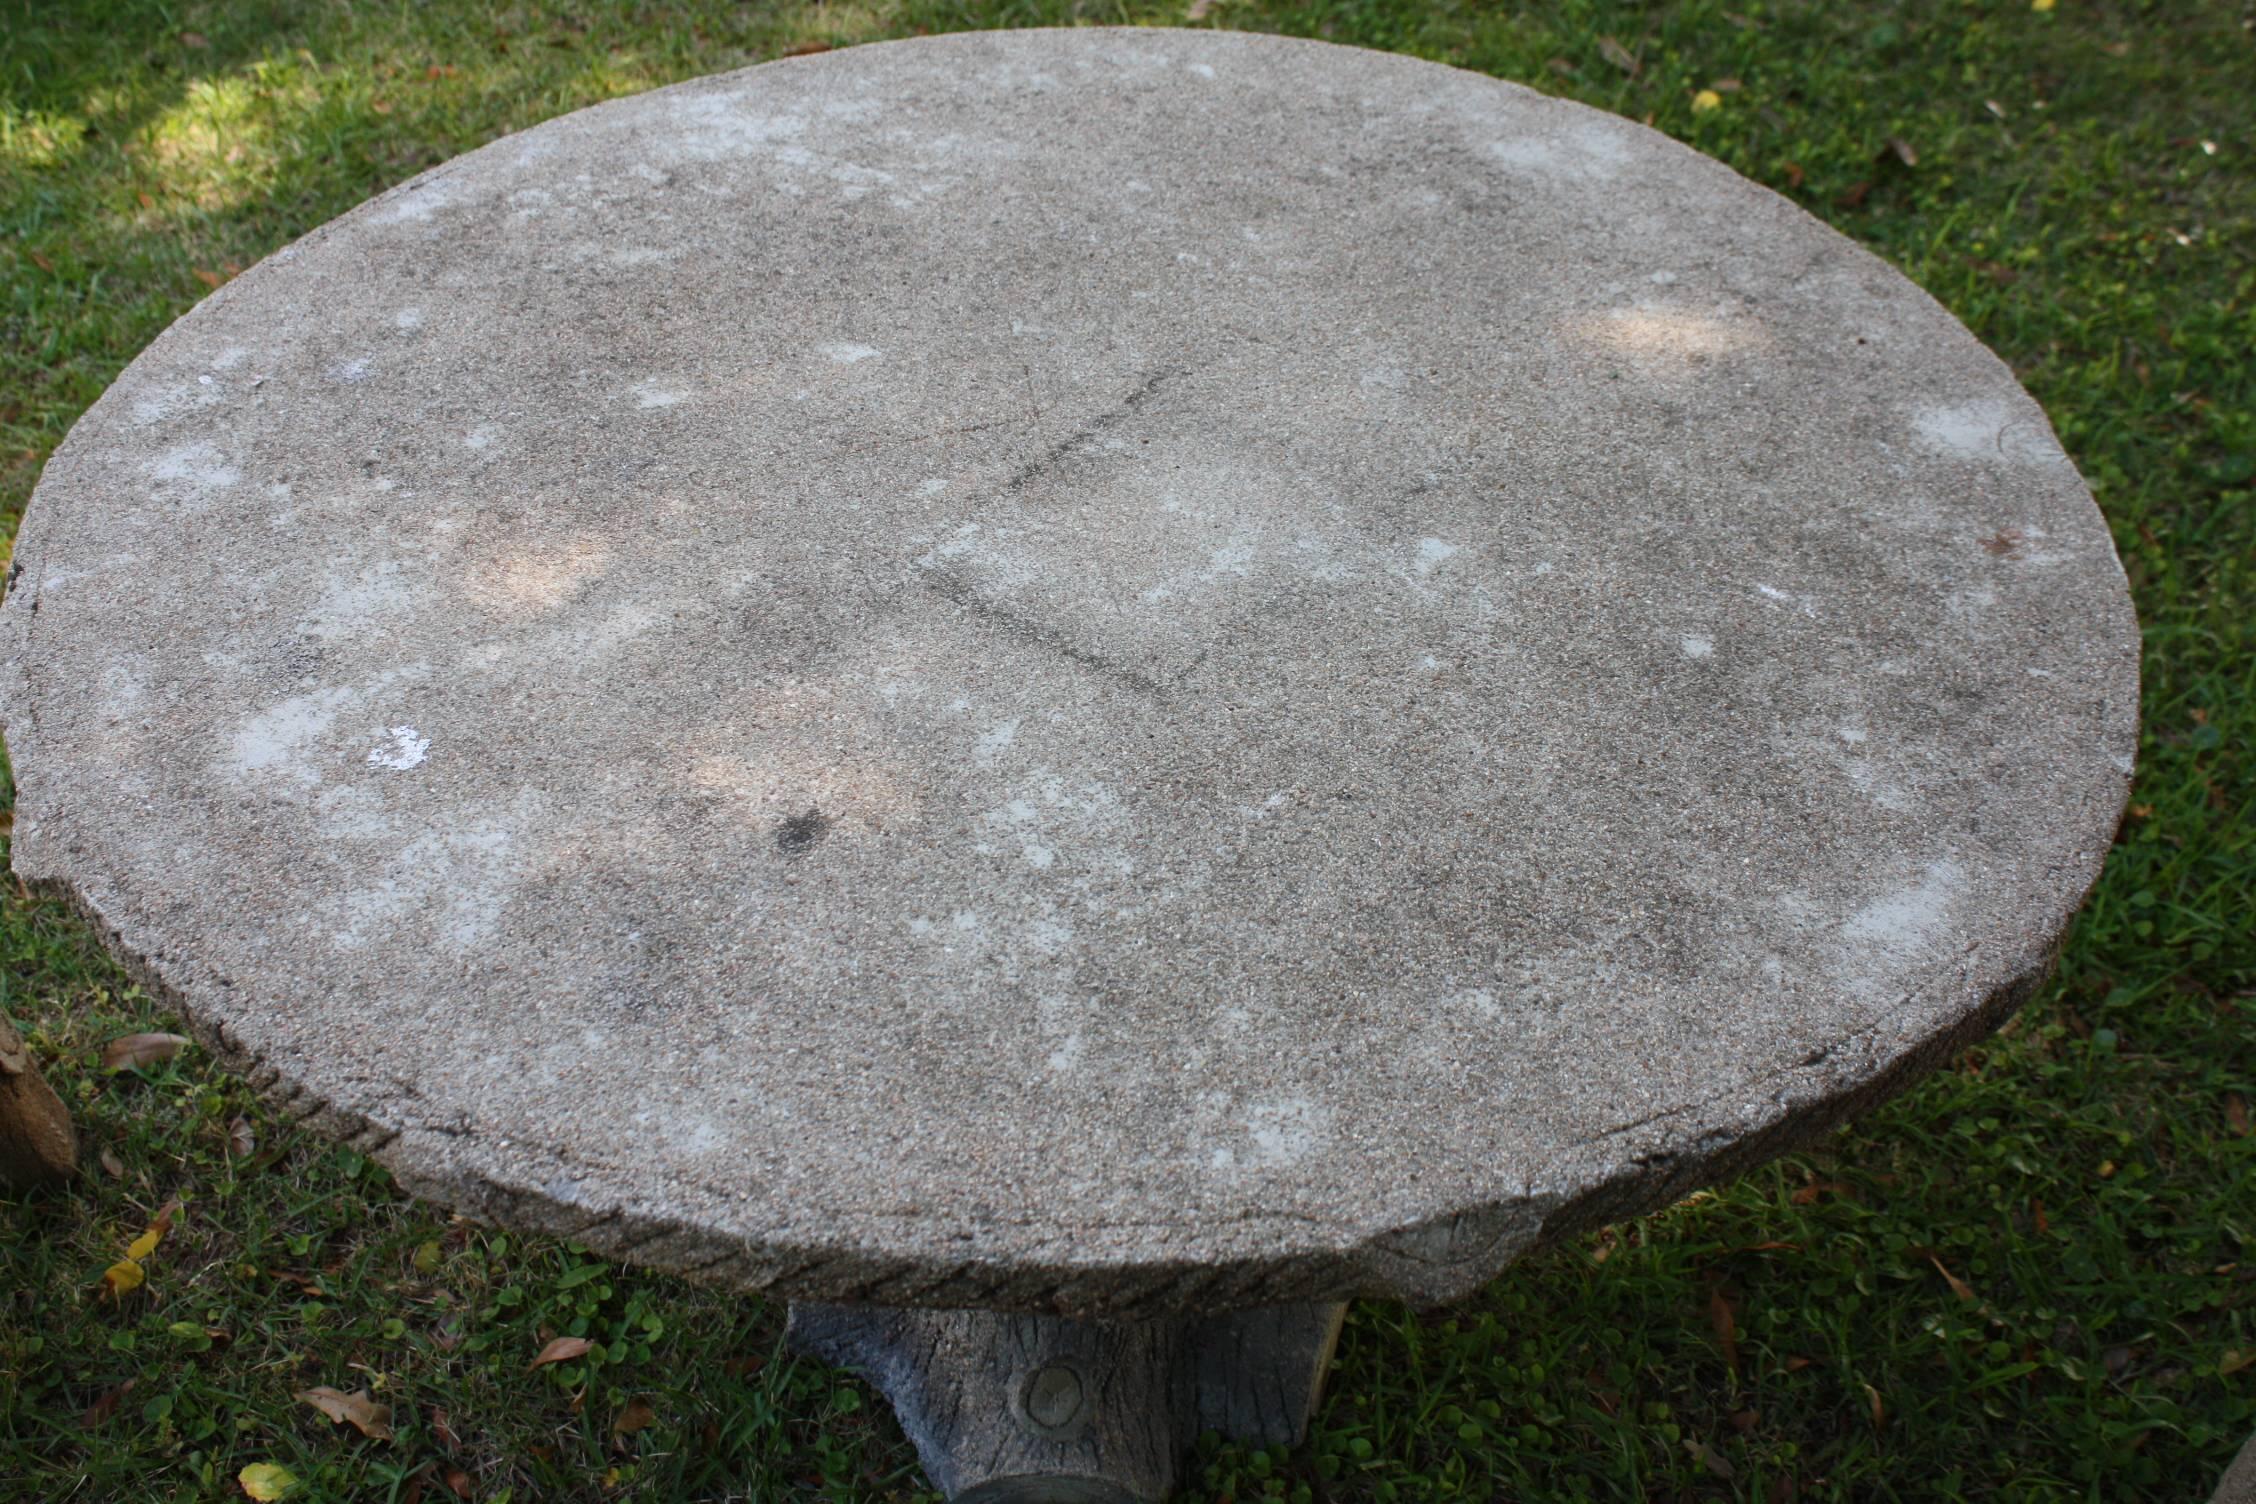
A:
[1018,1409]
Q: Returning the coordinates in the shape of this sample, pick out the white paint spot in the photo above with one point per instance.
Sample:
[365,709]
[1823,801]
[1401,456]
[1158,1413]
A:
[1433,553]
[931,485]
[849,354]
[354,603]
[480,437]
[1787,598]
[995,741]
[404,750]
[408,320]
[271,740]
[1582,151]
[197,468]
[1286,1131]
[1989,428]
[1203,70]
[649,394]
[415,203]
[354,370]
[1905,920]
[1696,646]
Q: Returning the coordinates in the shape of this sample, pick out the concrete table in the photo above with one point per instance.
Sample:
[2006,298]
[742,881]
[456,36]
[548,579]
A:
[1071,695]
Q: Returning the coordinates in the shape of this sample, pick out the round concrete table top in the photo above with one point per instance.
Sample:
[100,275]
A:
[1101,670]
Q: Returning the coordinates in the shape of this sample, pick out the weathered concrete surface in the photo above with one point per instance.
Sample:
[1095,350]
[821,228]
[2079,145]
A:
[1097,671]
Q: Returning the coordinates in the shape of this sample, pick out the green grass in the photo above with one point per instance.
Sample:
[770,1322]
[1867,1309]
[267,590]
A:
[2082,196]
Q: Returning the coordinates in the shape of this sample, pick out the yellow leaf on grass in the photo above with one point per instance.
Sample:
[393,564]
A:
[1706,99]
[2040,4]
[121,1277]
[266,1481]
[146,1244]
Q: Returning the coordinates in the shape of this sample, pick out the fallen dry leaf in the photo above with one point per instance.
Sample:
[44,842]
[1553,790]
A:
[2236,1112]
[1959,1287]
[141,1049]
[241,1141]
[1708,1459]
[1794,175]
[359,1410]
[806,49]
[637,1416]
[1726,1328]
[1727,86]
[208,278]
[122,1278]
[1705,100]
[1903,151]
[1797,1364]
[1199,11]
[1621,57]
[562,1350]
[194,40]
[2234,1360]
[266,1481]
[105,1407]
[1879,1411]
[458,1482]
[112,1166]
[442,1429]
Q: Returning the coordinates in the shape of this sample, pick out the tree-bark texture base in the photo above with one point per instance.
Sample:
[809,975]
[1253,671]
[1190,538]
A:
[37,1146]
[1018,1409]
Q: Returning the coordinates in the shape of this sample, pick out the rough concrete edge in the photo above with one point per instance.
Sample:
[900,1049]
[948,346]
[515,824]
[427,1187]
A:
[1430,1261]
